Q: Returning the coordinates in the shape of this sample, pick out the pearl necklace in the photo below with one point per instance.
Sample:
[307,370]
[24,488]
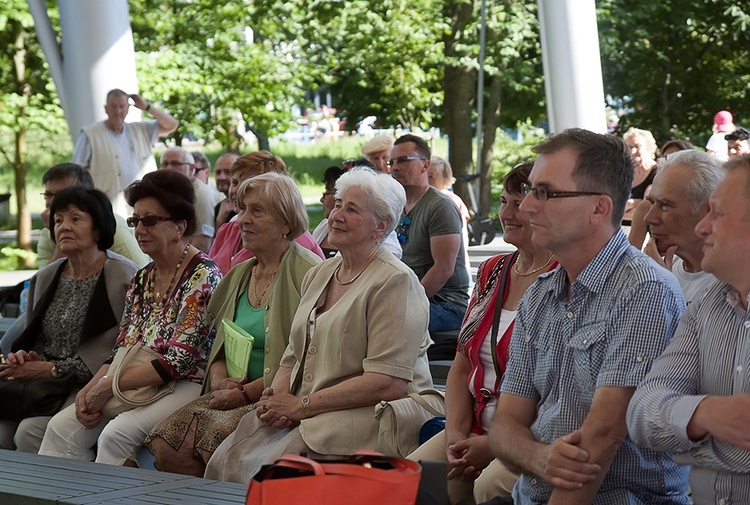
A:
[259,299]
[346,283]
[515,266]
[160,299]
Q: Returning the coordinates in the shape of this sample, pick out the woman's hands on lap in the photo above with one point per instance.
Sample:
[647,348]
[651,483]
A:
[468,457]
[98,395]
[227,399]
[279,410]
[88,420]
[25,366]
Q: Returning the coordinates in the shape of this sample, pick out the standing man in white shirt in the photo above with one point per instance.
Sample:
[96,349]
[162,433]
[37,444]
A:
[118,153]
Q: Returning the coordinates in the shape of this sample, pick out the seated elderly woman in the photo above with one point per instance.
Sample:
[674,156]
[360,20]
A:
[75,306]
[227,249]
[166,309]
[358,337]
[474,377]
[320,234]
[259,295]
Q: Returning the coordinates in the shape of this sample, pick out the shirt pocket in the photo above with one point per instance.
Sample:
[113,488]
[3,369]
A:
[588,347]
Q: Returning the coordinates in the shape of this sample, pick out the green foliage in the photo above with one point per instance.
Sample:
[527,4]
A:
[510,151]
[673,65]
[10,256]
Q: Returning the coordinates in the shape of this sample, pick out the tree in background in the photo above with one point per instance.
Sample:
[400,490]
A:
[208,60]
[27,102]
[672,65]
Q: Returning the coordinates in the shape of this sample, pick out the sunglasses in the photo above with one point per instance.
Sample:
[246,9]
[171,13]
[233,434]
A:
[146,220]
[402,231]
[403,159]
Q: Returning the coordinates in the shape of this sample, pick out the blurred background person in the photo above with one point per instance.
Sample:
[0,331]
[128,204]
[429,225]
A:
[378,151]
[223,211]
[643,153]
[717,143]
[738,143]
[441,178]
[75,306]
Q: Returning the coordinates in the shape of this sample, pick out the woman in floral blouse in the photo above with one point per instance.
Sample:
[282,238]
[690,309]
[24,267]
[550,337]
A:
[165,309]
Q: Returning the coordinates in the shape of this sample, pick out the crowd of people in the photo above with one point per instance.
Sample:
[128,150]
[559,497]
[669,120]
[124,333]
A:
[590,366]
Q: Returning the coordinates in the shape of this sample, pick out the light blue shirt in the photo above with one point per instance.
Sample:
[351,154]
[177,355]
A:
[623,309]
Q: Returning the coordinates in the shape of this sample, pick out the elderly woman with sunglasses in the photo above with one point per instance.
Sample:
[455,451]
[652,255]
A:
[358,337]
[166,309]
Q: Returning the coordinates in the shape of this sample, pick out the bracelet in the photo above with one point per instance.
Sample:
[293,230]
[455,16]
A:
[247,397]
[148,106]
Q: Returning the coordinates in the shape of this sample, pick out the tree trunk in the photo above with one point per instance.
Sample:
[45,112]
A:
[23,215]
[262,137]
[491,122]
[459,87]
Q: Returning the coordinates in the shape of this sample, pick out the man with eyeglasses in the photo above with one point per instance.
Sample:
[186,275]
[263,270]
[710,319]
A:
[179,160]
[585,335]
[118,153]
[67,175]
[430,236]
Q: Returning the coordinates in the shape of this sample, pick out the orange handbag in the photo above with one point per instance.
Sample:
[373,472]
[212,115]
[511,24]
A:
[363,479]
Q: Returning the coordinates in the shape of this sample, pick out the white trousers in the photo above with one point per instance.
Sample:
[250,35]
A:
[118,439]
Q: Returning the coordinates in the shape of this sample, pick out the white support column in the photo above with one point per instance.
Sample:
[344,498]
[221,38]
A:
[572,65]
[98,55]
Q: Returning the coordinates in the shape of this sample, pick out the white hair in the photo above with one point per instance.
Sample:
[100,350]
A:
[386,198]
[185,155]
[707,174]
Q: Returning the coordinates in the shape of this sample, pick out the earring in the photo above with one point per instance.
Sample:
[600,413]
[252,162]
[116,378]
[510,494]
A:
[176,239]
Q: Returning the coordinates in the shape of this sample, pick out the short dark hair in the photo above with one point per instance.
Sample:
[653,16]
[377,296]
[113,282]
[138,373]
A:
[69,171]
[738,134]
[91,201]
[679,145]
[423,148]
[517,177]
[331,175]
[172,190]
[197,155]
[603,164]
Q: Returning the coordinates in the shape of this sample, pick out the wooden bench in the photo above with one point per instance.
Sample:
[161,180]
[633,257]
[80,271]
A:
[29,479]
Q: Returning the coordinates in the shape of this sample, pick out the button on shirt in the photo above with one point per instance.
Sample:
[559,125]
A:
[622,310]
[709,355]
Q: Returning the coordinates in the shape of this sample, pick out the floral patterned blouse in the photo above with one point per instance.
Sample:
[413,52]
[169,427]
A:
[180,331]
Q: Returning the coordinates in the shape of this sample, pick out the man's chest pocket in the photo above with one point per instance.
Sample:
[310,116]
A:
[587,349]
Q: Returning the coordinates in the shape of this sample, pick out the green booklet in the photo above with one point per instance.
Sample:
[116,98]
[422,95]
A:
[237,347]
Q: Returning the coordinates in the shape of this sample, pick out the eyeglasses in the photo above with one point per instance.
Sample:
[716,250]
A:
[165,164]
[47,195]
[200,169]
[542,194]
[403,159]
[328,193]
[146,220]
[402,231]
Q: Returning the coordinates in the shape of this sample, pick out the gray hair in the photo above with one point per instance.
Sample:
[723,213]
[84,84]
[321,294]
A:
[707,175]
[185,155]
[386,198]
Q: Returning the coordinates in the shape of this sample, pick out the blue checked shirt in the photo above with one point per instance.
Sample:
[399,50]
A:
[622,310]
[709,355]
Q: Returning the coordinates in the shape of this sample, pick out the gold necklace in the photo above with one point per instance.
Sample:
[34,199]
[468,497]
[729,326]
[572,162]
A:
[158,296]
[336,273]
[259,299]
[515,266]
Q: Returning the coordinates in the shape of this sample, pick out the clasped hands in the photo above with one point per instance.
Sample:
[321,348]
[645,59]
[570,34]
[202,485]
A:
[467,457]
[565,465]
[24,366]
[228,395]
[91,400]
[279,409]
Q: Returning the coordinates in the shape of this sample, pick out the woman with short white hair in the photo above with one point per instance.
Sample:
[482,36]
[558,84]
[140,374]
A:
[359,337]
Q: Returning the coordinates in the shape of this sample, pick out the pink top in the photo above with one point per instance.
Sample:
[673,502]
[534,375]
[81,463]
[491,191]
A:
[228,236]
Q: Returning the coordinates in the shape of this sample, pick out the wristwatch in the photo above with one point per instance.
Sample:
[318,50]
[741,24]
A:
[306,405]
[55,374]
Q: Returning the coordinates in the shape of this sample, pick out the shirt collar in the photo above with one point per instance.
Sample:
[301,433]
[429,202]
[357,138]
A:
[598,271]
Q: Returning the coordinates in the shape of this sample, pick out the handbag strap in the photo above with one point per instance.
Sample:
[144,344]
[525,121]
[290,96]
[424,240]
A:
[129,355]
[504,277]
[419,398]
